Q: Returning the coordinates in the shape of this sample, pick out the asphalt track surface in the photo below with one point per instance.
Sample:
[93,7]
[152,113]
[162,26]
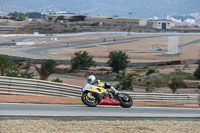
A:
[21,39]
[41,51]
[19,109]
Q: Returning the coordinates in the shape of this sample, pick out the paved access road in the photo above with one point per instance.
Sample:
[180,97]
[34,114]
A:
[18,109]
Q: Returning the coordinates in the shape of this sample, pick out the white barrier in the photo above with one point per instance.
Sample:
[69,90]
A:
[24,43]
[21,86]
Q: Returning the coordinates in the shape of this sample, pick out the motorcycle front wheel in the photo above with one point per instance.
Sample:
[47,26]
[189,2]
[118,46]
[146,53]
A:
[126,101]
[89,99]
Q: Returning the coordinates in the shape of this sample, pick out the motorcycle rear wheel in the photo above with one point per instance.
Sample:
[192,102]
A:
[90,102]
[126,103]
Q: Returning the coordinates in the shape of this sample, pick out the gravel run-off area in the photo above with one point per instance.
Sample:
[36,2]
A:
[139,126]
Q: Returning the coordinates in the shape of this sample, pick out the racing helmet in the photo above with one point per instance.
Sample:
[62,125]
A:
[91,79]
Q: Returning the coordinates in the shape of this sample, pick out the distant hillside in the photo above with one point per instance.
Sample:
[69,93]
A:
[138,8]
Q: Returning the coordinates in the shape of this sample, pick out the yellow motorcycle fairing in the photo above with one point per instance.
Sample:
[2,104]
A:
[96,89]
[93,89]
[101,90]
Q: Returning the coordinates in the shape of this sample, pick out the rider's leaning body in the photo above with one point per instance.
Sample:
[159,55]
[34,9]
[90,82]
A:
[93,81]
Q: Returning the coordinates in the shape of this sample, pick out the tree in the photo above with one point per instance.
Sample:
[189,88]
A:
[35,15]
[197,73]
[175,84]
[6,64]
[118,60]
[82,61]
[47,68]
[22,18]
[60,18]
[126,80]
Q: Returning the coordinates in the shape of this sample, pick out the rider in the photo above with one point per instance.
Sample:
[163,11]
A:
[92,80]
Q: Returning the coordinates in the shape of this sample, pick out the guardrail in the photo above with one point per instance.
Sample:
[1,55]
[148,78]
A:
[167,98]
[10,85]
[21,86]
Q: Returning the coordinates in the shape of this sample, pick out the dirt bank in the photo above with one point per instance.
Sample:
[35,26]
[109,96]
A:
[52,126]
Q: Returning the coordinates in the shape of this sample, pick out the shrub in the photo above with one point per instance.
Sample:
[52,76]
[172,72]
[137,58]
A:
[149,86]
[175,84]
[27,74]
[82,61]
[197,73]
[118,60]
[27,66]
[198,86]
[150,71]
[13,73]
[157,83]
[126,80]
[57,80]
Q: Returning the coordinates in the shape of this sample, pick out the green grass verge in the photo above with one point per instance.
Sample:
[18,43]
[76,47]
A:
[170,55]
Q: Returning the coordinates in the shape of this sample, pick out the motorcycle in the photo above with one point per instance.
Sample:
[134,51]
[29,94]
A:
[93,95]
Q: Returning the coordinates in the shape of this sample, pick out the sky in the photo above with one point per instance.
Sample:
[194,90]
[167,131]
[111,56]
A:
[122,8]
